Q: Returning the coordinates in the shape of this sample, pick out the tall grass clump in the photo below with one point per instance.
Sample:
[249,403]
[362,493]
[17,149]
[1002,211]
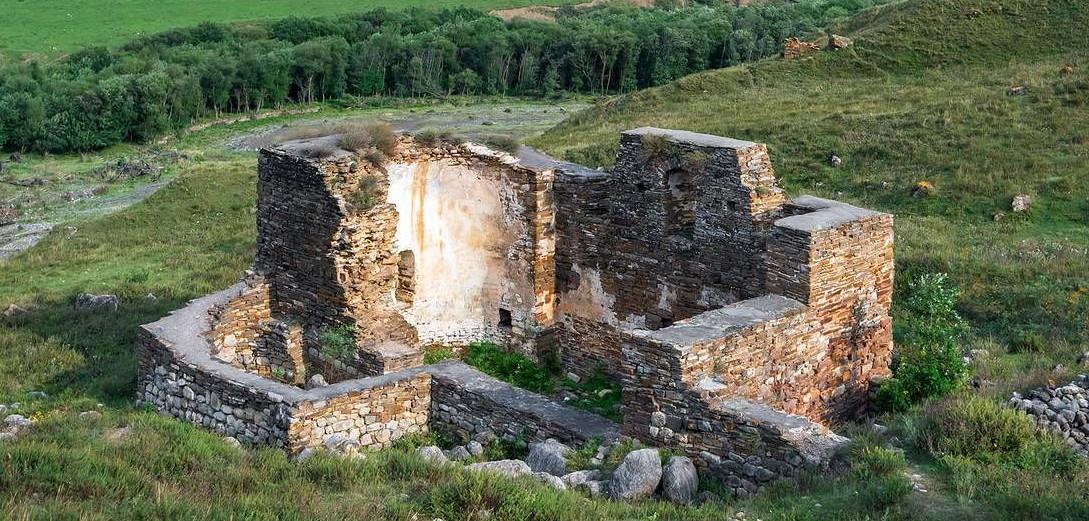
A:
[374,141]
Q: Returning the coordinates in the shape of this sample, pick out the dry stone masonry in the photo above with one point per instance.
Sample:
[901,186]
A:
[1063,411]
[736,320]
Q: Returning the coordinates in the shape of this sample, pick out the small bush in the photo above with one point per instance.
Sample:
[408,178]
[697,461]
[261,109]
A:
[375,141]
[929,362]
[338,343]
[512,368]
[431,137]
[656,145]
[320,151]
[434,355]
[871,461]
[1027,341]
[508,144]
[365,195]
[975,427]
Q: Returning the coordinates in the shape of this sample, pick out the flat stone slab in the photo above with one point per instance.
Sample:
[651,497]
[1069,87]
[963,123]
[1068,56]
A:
[691,138]
[725,321]
[824,214]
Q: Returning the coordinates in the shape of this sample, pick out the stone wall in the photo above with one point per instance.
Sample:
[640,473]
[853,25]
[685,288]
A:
[179,376]
[237,323]
[372,413]
[677,228]
[669,400]
[1061,410]
[466,403]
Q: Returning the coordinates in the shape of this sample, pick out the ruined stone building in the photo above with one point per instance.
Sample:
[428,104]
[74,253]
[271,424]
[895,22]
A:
[737,320]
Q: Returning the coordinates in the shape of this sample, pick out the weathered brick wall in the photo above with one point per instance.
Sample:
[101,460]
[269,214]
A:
[746,443]
[838,260]
[677,228]
[328,260]
[373,416]
[237,323]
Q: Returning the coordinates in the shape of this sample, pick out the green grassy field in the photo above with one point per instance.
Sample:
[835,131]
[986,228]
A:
[59,26]
[920,96]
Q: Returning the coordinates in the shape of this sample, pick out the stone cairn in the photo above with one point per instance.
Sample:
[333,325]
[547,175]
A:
[1063,411]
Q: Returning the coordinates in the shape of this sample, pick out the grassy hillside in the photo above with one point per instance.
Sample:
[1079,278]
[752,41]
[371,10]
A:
[56,26]
[920,96]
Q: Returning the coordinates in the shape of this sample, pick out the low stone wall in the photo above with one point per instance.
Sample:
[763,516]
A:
[681,390]
[237,322]
[1063,411]
[467,402]
[179,376]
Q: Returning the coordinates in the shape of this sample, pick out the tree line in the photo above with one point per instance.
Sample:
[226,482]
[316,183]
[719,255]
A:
[98,97]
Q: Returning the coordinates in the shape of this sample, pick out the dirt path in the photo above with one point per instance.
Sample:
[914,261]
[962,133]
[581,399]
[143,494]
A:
[548,12]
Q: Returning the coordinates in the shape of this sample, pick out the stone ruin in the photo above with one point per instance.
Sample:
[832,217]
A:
[737,321]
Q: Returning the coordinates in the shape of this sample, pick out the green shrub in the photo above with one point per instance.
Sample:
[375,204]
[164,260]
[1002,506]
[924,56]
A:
[1028,341]
[508,144]
[365,195]
[431,137]
[975,427]
[872,461]
[929,362]
[436,354]
[512,368]
[338,343]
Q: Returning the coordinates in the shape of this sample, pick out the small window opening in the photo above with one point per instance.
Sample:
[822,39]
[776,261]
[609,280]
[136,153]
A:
[505,319]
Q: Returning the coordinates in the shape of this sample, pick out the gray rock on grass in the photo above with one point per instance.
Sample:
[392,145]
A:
[680,482]
[637,477]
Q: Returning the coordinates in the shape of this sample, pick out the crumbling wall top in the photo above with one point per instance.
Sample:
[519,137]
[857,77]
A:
[821,214]
[691,138]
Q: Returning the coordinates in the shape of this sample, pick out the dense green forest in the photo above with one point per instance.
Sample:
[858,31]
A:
[97,97]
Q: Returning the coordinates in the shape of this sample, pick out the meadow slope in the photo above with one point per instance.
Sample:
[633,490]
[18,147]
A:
[56,26]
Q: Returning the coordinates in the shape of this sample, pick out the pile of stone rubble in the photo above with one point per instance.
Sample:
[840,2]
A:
[1061,410]
[640,474]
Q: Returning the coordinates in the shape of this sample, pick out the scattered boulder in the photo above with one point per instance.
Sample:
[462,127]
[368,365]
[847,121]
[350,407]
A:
[316,381]
[1017,90]
[90,302]
[574,479]
[233,442]
[17,421]
[1083,359]
[15,311]
[459,453]
[90,415]
[834,161]
[475,448]
[15,157]
[433,455]
[1066,71]
[550,480]
[837,42]
[306,454]
[637,476]
[680,482]
[706,497]
[9,215]
[507,467]
[37,395]
[1021,203]
[548,456]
